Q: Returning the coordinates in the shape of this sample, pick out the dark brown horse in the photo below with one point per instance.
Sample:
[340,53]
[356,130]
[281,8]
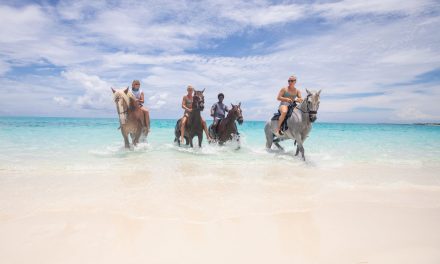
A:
[227,129]
[131,117]
[193,125]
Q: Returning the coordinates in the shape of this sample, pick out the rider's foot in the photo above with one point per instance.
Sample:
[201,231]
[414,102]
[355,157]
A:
[279,133]
[181,140]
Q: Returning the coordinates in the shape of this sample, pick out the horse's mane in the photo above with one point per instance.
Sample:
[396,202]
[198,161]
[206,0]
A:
[125,96]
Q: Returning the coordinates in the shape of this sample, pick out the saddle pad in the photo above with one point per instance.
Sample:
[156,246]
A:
[276,116]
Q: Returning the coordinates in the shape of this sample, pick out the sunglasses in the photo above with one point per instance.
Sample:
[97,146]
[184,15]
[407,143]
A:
[291,80]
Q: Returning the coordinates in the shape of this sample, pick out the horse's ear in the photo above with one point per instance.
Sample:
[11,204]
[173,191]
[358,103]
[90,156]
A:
[308,92]
[239,104]
[113,90]
[203,90]
[319,92]
[126,90]
[232,105]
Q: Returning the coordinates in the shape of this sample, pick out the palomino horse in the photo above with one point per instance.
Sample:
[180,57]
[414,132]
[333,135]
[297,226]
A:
[227,129]
[299,124]
[131,117]
[194,125]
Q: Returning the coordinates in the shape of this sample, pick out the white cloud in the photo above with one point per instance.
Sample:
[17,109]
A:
[96,91]
[106,43]
[265,15]
[157,101]
[22,24]
[4,67]
[61,101]
[379,7]
[413,114]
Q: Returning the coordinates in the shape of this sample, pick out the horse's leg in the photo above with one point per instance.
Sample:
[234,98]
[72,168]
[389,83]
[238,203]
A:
[177,132]
[278,146]
[137,135]
[125,136]
[269,136]
[191,141]
[300,146]
[200,136]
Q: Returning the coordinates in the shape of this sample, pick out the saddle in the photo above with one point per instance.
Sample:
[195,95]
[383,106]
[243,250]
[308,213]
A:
[276,116]
[214,128]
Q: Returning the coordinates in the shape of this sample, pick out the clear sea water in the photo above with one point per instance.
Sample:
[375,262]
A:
[82,141]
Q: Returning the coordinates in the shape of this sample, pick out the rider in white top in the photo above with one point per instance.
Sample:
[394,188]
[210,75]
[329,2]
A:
[139,94]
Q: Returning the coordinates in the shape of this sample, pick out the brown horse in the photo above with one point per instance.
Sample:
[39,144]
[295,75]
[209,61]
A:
[227,129]
[131,117]
[193,125]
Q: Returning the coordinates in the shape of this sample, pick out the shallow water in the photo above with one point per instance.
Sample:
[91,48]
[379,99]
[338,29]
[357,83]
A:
[76,140]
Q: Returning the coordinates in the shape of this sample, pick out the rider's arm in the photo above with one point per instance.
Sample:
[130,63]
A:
[184,104]
[213,109]
[298,97]
[281,98]
[141,100]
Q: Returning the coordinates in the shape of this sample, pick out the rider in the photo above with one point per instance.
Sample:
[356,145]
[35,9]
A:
[218,111]
[187,101]
[139,94]
[287,95]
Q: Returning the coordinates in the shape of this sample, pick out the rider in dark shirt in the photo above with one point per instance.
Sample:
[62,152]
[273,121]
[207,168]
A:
[218,111]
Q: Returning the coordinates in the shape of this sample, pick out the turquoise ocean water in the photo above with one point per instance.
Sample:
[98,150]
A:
[76,141]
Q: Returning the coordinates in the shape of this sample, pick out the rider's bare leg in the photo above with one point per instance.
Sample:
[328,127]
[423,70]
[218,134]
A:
[283,111]
[206,129]
[182,128]
[147,118]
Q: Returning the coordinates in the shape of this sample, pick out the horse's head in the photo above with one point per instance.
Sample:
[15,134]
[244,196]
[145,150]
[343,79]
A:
[124,100]
[236,113]
[312,101]
[199,100]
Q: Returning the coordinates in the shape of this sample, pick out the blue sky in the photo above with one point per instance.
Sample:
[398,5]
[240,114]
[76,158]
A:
[375,61]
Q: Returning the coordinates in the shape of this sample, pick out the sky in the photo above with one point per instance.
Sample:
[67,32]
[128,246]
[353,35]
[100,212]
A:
[376,61]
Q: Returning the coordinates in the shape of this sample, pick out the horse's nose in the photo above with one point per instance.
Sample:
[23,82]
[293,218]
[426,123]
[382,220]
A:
[313,118]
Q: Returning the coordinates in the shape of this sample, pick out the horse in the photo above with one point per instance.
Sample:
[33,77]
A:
[193,125]
[226,128]
[299,124]
[131,117]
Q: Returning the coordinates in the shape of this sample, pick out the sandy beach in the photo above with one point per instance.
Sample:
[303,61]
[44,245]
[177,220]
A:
[218,214]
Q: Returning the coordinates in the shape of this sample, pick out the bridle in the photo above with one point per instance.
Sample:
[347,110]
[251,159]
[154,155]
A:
[123,115]
[308,111]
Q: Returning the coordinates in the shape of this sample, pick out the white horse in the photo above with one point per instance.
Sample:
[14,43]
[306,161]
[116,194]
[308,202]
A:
[299,124]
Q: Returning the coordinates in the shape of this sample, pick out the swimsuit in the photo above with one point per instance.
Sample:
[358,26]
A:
[288,95]
[188,104]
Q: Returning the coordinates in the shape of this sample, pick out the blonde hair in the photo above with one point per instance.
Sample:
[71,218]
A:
[189,87]
[135,82]
[292,77]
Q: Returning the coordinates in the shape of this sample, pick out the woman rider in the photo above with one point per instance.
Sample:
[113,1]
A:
[139,94]
[287,95]
[187,101]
